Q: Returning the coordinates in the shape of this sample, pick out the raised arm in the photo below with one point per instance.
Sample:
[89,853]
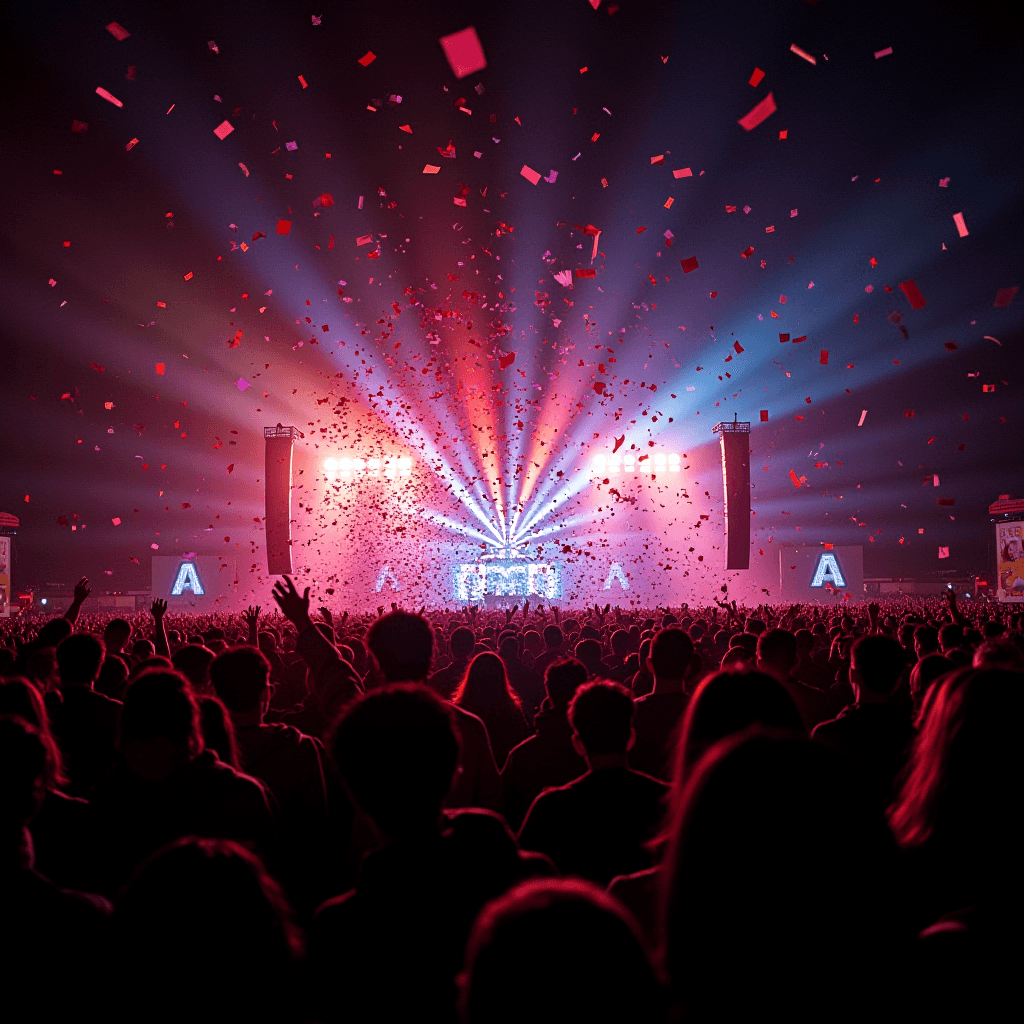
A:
[157,609]
[252,620]
[82,591]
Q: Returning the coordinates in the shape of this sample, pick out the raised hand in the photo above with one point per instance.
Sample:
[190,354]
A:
[252,615]
[294,606]
[82,590]
[380,610]
[526,609]
[158,608]
[325,614]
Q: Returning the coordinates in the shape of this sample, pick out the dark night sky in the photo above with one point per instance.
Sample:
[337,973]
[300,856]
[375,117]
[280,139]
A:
[868,142]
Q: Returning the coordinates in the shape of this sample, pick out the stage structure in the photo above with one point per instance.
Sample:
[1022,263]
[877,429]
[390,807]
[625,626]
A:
[735,440]
[1008,515]
[506,578]
[279,442]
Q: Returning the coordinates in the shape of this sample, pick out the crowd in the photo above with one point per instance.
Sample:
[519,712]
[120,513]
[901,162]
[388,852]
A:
[691,814]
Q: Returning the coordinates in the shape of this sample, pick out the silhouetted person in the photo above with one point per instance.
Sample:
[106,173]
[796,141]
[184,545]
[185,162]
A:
[202,932]
[548,758]
[84,721]
[166,786]
[754,915]
[588,651]
[776,655]
[549,952]
[723,705]
[485,692]
[930,668]
[397,750]
[554,642]
[116,635]
[873,731]
[460,646]
[525,682]
[659,712]
[217,730]
[597,826]
[193,662]
[48,934]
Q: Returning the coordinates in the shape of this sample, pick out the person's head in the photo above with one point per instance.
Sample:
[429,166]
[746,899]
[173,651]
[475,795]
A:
[755,626]
[461,643]
[155,661]
[403,645]
[926,640]
[963,772]
[204,924]
[79,658]
[737,658]
[727,703]
[53,632]
[745,640]
[143,649]
[598,969]
[193,662]
[589,652]
[397,750]
[876,664]
[20,698]
[553,638]
[601,716]
[804,642]
[241,679]
[698,630]
[160,729]
[924,674]
[116,634]
[532,642]
[23,766]
[999,654]
[508,648]
[752,846]
[951,637]
[562,679]
[671,654]
[113,677]
[776,652]
[485,684]
[218,731]
[992,629]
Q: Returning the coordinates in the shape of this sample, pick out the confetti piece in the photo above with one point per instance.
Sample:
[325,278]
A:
[464,52]
[242,384]
[189,276]
[783,338]
[739,348]
[367,58]
[1004,297]
[618,443]
[552,177]
[100,91]
[958,220]
[943,552]
[669,202]
[683,172]
[530,175]
[284,227]
[863,417]
[405,128]
[364,239]
[756,77]
[506,361]
[160,368]
[586,272]
[913,294]
[427,169]
[689,264]
[660,159]
[291,146]
[119,32]
[748,252]
[764,415]
[793,48]
[223,130]
[883,53]
[803,337]
[823,358]
[988,387]
[245,170]
[759,113]
[303,82]
[784,134]
[794,478]
[79,126]
[116,520]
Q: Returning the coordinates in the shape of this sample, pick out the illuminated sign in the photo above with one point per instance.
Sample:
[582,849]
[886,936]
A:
[385,576]
[472,582]
[616,573]
[187,579]
[828,572]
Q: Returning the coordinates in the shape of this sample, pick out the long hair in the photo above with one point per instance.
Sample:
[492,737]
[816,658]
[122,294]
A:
[486,685]
[20,697]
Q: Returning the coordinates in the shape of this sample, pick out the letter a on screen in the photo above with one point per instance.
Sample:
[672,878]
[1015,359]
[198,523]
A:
[616,573]
[187,579]
[828,571]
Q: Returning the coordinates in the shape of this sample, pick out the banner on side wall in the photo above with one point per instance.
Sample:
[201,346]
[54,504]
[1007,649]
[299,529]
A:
[5,577]
[1009,562]
[823,574]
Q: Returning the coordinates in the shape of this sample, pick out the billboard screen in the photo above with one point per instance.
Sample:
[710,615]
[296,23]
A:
[200,583]
[821,573]
[1010,562]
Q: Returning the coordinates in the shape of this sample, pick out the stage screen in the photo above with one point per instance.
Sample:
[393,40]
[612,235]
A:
[1010,562]
[200,583]
[821,574]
